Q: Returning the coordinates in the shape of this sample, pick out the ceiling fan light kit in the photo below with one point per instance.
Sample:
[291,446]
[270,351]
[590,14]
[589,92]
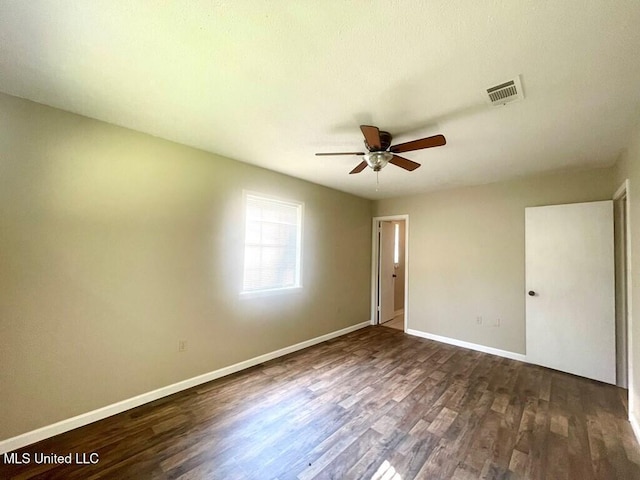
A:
[378,160]
[380,151]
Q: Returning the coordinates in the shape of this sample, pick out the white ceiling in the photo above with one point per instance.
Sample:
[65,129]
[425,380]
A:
[272,82]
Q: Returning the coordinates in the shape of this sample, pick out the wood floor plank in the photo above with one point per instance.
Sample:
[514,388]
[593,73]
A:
[518,462]
[442,422]
[371,403]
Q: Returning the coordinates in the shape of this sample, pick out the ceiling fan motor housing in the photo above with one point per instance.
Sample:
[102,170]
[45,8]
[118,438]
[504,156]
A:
[385,142]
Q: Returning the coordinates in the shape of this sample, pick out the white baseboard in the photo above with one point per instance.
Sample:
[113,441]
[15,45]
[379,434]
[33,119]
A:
[398,312]
[470,346]
[86,418]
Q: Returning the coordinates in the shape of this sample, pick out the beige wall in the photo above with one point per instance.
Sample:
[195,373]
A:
[114,245]
[628,167]
[466,253]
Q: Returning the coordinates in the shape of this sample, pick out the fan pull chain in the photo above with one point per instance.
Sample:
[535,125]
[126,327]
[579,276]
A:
[377,181]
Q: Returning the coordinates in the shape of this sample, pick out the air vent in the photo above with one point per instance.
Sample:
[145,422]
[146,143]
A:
[507,92]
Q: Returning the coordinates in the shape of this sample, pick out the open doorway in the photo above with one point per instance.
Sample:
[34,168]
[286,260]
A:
[623,279]
[389,271]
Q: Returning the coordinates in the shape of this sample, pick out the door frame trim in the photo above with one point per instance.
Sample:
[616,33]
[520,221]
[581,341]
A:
[624,190]
[375,221]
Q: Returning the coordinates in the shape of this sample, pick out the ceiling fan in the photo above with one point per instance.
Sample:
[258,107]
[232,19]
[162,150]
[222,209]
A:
[380,151]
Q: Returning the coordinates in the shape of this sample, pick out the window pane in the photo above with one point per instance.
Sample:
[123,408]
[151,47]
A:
[396,244]
[271,257]
[254,211]
[274,234]
[252,257]
[252,235]
[252,278]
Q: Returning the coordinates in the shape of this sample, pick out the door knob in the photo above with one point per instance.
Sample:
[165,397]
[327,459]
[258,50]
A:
[532,293]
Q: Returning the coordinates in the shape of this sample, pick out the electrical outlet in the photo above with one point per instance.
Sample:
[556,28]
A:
[479,320]
[497,322]
[182,345]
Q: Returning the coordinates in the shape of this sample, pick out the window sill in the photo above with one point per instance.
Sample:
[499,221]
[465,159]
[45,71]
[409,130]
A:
[268,293]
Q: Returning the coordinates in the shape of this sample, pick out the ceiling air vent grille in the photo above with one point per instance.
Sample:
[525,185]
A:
[506,92]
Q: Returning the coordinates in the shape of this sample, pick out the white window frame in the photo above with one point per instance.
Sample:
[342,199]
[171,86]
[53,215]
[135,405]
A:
[298,271]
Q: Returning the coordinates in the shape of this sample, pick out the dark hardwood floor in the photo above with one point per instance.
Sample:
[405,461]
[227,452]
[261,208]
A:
[374,404]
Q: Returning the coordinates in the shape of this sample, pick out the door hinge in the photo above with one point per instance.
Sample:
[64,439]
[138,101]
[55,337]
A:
[378,307]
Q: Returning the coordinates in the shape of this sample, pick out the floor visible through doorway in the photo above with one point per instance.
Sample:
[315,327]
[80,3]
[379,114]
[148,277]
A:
[396,322]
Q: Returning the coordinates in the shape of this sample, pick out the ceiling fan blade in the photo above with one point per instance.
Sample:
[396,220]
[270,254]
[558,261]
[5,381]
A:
[341,153]
[372,136]
[404,163]
[435,141]
[361,166]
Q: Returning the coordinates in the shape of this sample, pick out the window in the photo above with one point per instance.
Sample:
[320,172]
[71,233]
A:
[396,243]
[272,245]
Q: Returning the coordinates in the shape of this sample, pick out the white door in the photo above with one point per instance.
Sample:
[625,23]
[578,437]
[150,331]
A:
[385,263]
[570,317]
